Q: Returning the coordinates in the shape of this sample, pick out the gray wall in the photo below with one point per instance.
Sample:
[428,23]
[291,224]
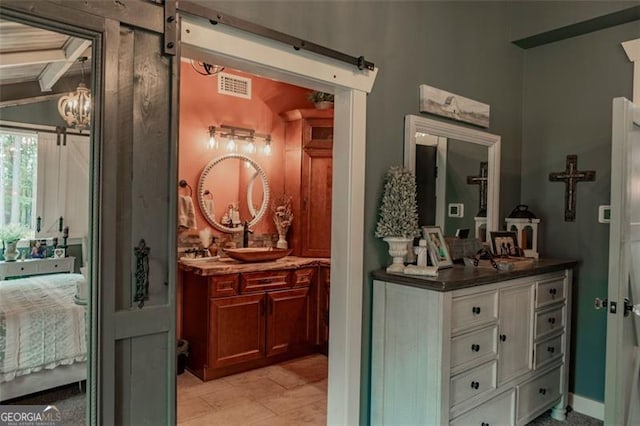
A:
[45,113]
[460,47]
[568,91]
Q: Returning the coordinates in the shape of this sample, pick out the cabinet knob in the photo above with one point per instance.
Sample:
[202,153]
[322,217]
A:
[476,310]
[503,337]
[475,385]
[551,349]
[475,347]
[552,320]
[542,391]
[553,291]
[484,424]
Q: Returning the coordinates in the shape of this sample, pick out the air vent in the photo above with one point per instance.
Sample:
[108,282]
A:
[229,84]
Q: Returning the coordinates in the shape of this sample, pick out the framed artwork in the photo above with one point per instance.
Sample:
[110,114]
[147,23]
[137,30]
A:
[38,249]
[505,243]
[58,253]
[438,250]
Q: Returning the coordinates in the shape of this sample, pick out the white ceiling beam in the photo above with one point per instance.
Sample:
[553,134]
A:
[14,59]
[54,71]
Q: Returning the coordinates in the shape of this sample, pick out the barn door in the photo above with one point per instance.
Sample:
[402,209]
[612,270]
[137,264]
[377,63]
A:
[136,371]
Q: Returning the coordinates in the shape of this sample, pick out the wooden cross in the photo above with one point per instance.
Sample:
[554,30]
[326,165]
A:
[571,176]
[481,181]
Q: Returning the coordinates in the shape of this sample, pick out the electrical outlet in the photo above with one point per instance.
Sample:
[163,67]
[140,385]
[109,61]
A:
[456,210]
[604,214]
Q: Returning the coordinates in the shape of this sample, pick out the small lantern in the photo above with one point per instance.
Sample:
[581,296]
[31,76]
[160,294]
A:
[525,224]
[480,220]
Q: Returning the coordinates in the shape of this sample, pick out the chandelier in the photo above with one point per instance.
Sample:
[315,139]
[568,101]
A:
[75,108]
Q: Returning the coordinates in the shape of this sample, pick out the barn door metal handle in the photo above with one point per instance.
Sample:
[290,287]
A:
[38,224]
[142,272]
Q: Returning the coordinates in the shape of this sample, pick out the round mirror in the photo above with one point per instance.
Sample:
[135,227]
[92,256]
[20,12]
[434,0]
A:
[233,189]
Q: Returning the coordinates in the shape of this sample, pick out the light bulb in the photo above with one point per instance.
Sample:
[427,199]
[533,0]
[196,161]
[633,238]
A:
[231,145]
[267,148]
[251,147]
[213,143]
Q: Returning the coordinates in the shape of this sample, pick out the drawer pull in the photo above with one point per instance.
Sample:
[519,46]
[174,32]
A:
[551,349]
[542,391]
[476,310]
[503,337]
[22,268]
[552,320]
[265,281]
[55,266]
[475,385]
[484,424]
[553,291]
[475,347]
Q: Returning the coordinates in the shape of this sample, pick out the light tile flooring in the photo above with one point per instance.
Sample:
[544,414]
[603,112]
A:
[290,393]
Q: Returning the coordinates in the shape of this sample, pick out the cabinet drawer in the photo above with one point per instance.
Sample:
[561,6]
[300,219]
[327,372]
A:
[550,291]
[534,395]
[472,348]
[548,351]
[473,310]
[53,266]
[223,285]
[550,321]
[473,382]
[496,411]
[303,277]
[263,281]
[20,268]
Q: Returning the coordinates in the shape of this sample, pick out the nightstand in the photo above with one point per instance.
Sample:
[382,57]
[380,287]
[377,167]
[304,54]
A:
[23,268]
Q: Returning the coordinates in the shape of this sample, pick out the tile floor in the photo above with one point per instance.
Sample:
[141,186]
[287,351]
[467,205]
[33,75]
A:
[290,393]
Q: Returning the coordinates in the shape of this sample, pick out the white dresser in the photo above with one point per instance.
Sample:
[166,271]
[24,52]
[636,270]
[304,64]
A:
[471,346]
[23,268]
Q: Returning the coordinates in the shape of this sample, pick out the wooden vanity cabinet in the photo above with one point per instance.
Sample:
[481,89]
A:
[288,321]
[308,179]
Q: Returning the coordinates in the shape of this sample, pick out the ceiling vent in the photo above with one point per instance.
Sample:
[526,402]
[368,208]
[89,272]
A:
[229,84]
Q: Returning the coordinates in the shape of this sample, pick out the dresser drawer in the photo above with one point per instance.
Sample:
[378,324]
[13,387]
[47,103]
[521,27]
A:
[550,291]
[536,394]
[20,268]
[303,277]
[473,310]
[473,382]
[53,266]
[496,411]
[549,351]
[472,348]
[263,281]
[223,285]
[549,321]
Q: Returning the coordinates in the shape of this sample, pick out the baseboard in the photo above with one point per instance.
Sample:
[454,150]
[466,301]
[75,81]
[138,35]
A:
[587,406]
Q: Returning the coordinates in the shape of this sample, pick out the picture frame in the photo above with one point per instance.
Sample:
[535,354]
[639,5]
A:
[59,253]
[37,249]
[437,247]
[505,244]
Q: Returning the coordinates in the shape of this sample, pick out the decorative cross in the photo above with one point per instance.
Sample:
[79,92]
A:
[571,176]
[481,181]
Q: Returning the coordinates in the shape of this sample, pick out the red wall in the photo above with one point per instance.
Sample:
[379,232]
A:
[201,106]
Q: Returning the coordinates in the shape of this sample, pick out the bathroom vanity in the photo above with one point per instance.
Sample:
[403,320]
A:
[239,316]
[471,346]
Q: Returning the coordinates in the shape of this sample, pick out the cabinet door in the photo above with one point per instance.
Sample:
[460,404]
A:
[236,332]
[288,320]
[515,329]
[323,321]
[316,203]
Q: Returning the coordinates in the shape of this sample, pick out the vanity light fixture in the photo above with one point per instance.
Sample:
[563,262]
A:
[239,135]
[231,145]
[251,146]
[267,146]
[213,143]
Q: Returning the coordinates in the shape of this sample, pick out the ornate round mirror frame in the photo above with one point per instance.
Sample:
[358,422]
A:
[265,189]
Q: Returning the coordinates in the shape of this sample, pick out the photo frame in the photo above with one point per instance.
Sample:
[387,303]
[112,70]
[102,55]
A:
[505,244]
[37,249]
[58,253]
[438,250]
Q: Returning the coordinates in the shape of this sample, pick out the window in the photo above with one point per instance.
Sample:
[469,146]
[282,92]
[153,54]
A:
[18,177]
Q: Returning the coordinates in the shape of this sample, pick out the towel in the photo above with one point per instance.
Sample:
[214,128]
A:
[208,208]
[186,213]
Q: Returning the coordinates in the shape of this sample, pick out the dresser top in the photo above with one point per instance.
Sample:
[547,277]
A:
[230,266]
[461,276]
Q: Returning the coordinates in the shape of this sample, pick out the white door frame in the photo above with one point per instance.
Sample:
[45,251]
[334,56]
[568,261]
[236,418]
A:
[269,58]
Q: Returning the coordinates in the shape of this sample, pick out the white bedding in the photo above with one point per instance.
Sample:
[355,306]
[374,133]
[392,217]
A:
[40,325]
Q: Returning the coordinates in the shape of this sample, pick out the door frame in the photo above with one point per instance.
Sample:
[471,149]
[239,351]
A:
[265,57]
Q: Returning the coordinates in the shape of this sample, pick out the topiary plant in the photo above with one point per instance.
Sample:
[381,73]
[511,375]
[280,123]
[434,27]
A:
[398,215]
[316,97]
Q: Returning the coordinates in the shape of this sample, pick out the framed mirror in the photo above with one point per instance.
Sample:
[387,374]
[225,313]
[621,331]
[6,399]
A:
[232,189]
[457,174]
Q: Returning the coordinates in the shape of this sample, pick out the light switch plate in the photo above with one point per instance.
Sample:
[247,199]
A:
[456,210]
[604,214]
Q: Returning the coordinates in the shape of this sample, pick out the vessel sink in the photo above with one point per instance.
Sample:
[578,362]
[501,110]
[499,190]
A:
[256,254]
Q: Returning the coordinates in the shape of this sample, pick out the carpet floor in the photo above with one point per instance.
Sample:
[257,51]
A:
[69,399]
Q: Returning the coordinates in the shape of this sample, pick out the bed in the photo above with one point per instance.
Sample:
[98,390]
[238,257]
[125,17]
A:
[42,334]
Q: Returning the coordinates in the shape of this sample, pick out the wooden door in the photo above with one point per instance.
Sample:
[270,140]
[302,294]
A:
[315,212]
[237,329]
[515,332]
[288,320]
[622,387]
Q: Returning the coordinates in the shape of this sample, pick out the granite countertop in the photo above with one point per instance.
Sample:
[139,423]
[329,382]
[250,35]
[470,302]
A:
[230,266]
[461,276]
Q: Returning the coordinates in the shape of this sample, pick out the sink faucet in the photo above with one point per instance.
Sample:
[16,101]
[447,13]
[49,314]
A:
[245,234]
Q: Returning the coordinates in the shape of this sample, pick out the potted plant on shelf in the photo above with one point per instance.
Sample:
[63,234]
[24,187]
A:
[282,217]
[321,100]
[10,235]
[398,215]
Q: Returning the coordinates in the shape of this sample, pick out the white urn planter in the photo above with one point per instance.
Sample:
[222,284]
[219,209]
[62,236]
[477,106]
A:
[398,249]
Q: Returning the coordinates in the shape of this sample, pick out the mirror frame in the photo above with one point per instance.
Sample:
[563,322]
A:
[415,123]
[265,190]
